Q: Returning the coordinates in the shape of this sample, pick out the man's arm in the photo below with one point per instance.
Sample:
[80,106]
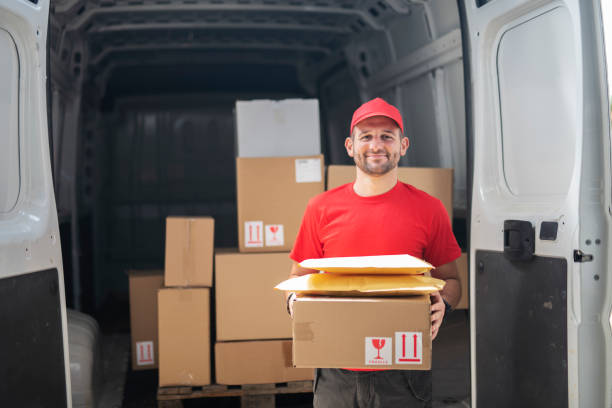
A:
[452,290]
[451,294]
[296,271]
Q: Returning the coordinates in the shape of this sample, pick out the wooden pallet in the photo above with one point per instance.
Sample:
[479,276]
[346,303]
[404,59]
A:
[251,396]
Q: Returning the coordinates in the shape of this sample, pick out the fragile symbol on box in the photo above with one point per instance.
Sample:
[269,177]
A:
[144,353]
[253,234]
[275,235]
[378,350]
[408,347]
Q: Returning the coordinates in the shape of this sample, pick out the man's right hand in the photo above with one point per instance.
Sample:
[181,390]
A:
[296,271]
[290,300]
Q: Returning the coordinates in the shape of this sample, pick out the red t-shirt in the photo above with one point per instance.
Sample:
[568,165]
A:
[404,220]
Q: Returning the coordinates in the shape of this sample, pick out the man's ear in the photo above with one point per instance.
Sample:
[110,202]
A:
[348,143]
[405,143]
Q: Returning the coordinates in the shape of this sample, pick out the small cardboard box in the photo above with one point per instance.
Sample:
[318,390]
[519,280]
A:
[462,267]
[434,181]
[247,306]
[257,362]
[184,337]
[385,332]
[189,251]
[144,285]
[272,195]
[266,128]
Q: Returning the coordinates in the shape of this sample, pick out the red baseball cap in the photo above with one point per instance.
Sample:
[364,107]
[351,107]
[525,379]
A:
[377,107]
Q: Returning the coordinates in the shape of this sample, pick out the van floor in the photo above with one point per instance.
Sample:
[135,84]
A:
[124,387]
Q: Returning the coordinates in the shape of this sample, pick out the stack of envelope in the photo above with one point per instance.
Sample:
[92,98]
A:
[383,275]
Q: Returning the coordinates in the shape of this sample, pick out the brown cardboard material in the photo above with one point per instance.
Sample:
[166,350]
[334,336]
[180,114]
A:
[257,362]
[272,194]
[345,332]
[184,337]
[434,181]
[247,306]
[144,285]
[462,267]
[189,251]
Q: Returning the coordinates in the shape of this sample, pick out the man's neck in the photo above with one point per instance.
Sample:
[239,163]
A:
[367,185]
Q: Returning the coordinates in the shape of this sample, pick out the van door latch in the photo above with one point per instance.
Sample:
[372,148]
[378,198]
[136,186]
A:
[519,240]
[580,256]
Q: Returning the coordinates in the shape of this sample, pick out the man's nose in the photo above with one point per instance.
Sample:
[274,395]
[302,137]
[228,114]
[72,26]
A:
[376,143]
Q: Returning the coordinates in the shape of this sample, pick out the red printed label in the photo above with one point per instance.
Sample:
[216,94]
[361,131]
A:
[408,347]
[253,234]
[144,353]
[378,350]
[275,235]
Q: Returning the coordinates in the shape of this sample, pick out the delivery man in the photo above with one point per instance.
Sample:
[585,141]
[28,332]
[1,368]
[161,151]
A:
[378,215]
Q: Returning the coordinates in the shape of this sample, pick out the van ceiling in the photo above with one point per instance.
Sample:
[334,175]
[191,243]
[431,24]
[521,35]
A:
[196,42]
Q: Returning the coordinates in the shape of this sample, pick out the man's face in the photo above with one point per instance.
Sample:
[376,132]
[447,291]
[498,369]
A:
[376,145]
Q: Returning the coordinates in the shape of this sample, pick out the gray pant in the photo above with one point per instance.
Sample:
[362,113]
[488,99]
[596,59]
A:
[337,388]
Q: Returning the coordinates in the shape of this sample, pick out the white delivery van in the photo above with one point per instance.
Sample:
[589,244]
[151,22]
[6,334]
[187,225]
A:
[117,113]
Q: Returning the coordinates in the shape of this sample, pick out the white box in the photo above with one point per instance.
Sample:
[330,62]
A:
[266,128]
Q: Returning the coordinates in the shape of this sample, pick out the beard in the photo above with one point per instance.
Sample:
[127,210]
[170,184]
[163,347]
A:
[376,169]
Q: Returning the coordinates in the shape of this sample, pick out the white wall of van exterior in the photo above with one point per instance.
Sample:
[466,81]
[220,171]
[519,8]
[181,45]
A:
[536,65]
[29,235]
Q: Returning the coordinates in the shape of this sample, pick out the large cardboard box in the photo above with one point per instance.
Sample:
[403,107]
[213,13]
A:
[257,362]
[189,251]
[462,267]
[144,285]
[184,337]
[247,306]
[434,181]
[272,196]
[384,332]
[266,128]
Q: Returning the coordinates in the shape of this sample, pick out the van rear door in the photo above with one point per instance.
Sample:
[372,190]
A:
[34,368]
[540,210]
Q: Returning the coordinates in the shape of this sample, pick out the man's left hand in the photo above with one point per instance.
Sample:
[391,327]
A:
[437,313]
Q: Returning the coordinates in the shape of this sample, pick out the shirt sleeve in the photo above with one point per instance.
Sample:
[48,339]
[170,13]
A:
[442,246]
[308,243]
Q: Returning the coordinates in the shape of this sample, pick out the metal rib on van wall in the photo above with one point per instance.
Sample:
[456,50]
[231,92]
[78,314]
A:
[223,20]
[172,6]
[438,53]
[101,48]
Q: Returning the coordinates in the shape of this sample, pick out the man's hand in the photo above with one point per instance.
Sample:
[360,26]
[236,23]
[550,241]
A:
[296,270]
[437,313]
[290,300]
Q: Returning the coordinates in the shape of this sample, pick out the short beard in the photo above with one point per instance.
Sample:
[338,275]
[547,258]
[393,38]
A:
[378,170]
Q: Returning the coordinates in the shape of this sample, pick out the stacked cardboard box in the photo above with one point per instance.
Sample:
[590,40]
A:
[278,169]
[253,329]
[184,302]
[362,332]
[144,285]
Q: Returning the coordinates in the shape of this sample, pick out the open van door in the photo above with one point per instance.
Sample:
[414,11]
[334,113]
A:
[540,210]
[34,368]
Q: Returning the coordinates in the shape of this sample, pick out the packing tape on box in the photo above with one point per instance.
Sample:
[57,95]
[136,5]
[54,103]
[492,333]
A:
[361,285]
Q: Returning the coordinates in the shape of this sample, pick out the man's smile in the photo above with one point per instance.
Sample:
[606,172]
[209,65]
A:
[377,155]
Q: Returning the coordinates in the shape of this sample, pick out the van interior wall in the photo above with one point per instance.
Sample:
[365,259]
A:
[156,139]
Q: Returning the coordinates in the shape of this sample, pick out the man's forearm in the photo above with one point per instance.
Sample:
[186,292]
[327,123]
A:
[451,292]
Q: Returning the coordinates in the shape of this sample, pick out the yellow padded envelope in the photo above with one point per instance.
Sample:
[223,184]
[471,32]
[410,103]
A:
[361,285]
[370,265]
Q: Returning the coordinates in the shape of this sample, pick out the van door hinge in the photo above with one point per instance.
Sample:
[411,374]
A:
[580,256]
